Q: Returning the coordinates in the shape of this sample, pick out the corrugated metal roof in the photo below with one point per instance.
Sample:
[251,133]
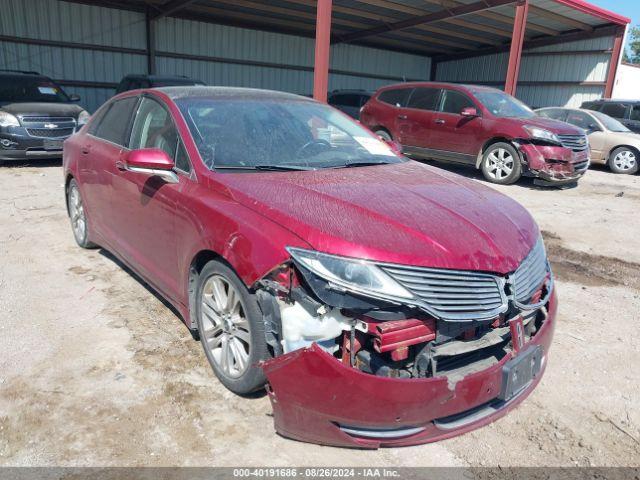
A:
[483,23]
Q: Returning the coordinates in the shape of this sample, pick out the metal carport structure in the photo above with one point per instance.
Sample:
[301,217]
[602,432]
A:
[558,44]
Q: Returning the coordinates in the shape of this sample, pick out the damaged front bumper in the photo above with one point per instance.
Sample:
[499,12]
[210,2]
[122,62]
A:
[554,165]
[318,399]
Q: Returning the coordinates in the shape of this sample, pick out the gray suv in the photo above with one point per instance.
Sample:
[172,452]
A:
[626,112]
[36,116]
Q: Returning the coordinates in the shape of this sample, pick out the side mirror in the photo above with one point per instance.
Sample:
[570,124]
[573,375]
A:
[74,98]
[469,112]
[150,161]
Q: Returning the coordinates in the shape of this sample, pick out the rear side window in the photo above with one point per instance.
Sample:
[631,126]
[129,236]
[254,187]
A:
[424,98]
[615,110]
[455,102]
[114,125]
[397,97]
[580,119]
[553,113]
[635,113]
[346,100]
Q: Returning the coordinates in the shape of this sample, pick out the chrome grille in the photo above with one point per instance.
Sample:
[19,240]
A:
[48,127]
[26,120]
[577,143]
[50,133]
[452,294]
[531,273]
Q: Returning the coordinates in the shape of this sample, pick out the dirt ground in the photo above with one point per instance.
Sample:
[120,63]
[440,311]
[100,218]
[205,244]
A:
[96,370]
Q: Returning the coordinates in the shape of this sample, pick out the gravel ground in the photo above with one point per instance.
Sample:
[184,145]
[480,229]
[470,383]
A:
[96,370]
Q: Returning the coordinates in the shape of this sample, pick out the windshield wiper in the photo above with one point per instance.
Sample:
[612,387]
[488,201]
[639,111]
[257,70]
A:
[262,167]
[361,164]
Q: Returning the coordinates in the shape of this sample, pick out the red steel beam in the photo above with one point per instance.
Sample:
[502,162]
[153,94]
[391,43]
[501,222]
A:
[323,44]
[613,63]
[463,9]
[515,53]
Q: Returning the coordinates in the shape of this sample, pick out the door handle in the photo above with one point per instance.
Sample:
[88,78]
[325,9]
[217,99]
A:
[402,117]
[439,121]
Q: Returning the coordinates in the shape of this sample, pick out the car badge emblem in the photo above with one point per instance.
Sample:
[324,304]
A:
[50,125]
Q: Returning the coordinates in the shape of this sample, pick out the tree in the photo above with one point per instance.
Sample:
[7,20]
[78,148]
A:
[633,55]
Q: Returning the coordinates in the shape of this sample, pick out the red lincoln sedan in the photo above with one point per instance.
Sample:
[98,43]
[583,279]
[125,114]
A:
[381,301]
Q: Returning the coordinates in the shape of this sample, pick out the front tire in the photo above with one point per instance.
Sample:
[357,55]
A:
[231,329]
[384,135]
[78,216]
[624,160]
[501,164]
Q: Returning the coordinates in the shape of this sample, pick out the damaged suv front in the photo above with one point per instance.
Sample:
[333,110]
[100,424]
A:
[373,354]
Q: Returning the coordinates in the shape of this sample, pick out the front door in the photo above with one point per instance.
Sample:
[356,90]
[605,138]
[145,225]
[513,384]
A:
[144,206]
[456,137]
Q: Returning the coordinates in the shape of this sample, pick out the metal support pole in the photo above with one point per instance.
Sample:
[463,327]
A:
[616,52]
[515,53]
[321,61]
[150,24]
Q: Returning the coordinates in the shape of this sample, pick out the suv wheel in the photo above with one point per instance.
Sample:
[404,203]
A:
[501,164]
[231,329]
[384,135]
[623,160]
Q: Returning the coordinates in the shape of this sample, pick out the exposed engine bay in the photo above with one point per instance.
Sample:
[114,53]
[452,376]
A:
[388,338]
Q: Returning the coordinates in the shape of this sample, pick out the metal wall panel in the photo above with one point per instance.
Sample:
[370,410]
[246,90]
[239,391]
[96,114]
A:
[226,42]
[72,22]
[54,20]
[592,67]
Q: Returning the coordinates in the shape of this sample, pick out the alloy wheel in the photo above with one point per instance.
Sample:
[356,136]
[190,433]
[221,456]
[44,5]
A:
[625,160]
[225,327]
[500,164]
[76,213]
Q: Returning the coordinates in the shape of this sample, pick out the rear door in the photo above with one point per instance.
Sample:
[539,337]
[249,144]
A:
[458,138]
[415,122]
[100,152]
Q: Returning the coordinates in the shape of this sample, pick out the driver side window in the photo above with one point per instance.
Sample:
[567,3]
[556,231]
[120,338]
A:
[153,128]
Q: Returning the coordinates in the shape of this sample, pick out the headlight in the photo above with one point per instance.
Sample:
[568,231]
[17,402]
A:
[351,273]
[542,134]
[8,120]
[83,117]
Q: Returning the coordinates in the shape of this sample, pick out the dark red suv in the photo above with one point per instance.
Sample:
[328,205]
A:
[478,126]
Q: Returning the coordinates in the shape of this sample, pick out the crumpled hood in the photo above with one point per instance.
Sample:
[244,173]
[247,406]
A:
[40,109]
[555,126]
[407,213]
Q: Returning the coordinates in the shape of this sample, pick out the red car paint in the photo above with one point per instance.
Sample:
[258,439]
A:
[406,213]
[462,139]
[335,394]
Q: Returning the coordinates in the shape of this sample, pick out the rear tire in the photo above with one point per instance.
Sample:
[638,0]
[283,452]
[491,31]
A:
[231,329]
[501,164]
[78,216]
[623,160]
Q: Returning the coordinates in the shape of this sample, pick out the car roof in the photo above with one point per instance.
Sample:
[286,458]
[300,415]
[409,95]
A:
[22,74]
[612,100]
[181,92]
[454,86]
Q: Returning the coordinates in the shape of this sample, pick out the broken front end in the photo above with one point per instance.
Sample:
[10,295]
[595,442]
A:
[369,354]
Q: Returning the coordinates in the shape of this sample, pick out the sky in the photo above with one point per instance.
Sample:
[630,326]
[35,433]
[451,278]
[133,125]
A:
[628,8]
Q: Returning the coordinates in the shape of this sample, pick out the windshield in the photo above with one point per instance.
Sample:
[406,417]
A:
[610,123]
[502,105]
[28,89]
[283,134]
